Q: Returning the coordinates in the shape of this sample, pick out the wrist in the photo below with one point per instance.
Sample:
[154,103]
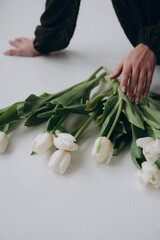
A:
[35,52]
[148,49]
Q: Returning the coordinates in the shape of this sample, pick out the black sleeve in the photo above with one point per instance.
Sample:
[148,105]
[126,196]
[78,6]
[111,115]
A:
[140,21]
[151,37]
[58,23]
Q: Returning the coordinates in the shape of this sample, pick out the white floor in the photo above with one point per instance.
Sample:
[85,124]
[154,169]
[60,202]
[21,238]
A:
[89,202]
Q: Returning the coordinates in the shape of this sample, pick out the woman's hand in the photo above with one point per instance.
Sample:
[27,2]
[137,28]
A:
[23,47]
[137,70]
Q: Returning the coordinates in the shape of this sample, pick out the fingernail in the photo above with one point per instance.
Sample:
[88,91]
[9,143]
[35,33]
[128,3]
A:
[110,76]
[123,89]
[137,100]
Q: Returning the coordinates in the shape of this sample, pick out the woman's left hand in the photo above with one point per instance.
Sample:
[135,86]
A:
[137,70]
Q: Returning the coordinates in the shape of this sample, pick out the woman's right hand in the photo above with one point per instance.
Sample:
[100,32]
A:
[23,47]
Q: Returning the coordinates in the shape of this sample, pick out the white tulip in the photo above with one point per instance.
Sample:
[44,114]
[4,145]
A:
[65,141]
[103,150]
[42,142]
[3,142]
[151,148]
[59,161]
[150,173]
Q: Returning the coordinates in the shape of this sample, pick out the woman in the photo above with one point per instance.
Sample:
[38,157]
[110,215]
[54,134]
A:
[140,21]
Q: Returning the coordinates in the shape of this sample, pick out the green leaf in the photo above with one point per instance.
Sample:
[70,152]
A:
[136,152]
[33,102]
[4,128]
[77,93]
[92,104]
[152,132]
[54,121]
[151,116]
[108,106]
[123,125]
[110,91]
[3,110]
[153,95]
[120,127]
[158,163]
[154,98]
[120,141]
[131,113]
[10,115]
[109,120]
[78,109]
[156,132]
[20,108]
[34,120]
[143,101]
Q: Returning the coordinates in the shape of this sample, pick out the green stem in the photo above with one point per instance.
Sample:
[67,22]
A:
[94,74]
[107,71]
[57,105]
[85,125]
[116,118]
[52,96]
[59,124]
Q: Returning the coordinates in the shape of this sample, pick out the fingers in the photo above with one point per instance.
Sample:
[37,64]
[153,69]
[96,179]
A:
[140,85]
[126,73]
[117,71]
[13,52]
[132,84]
[21,39]
[148,83]
[15,43]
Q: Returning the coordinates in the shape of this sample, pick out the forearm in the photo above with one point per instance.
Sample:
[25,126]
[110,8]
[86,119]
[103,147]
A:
[57,25]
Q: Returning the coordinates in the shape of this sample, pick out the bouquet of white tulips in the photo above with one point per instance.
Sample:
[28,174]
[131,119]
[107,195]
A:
[120,121]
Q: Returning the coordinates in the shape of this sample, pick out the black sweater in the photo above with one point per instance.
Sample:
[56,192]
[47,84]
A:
[140,20]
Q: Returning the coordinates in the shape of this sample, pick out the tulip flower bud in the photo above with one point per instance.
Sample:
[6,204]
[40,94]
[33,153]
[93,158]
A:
[42,142]
[103,150]
[150,173]
[151,148]
[65,141]
[59,161]
[3,142]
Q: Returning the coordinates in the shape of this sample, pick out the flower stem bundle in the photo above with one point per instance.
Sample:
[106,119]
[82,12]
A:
[120,122]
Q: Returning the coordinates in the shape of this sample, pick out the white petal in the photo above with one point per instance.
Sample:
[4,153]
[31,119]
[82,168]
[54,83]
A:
[142,142]
[102,150]
[55,160]
[66,136]
[150,156]
[42,142]
[156,184]
[59,161]
[142,178]
[156,147]
[65,163]
[110,156]
[3,142]
[151,150]
[65,141]
[36,139]
[149,168]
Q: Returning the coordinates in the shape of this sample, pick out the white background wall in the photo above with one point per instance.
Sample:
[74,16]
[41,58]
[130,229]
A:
[88,202]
